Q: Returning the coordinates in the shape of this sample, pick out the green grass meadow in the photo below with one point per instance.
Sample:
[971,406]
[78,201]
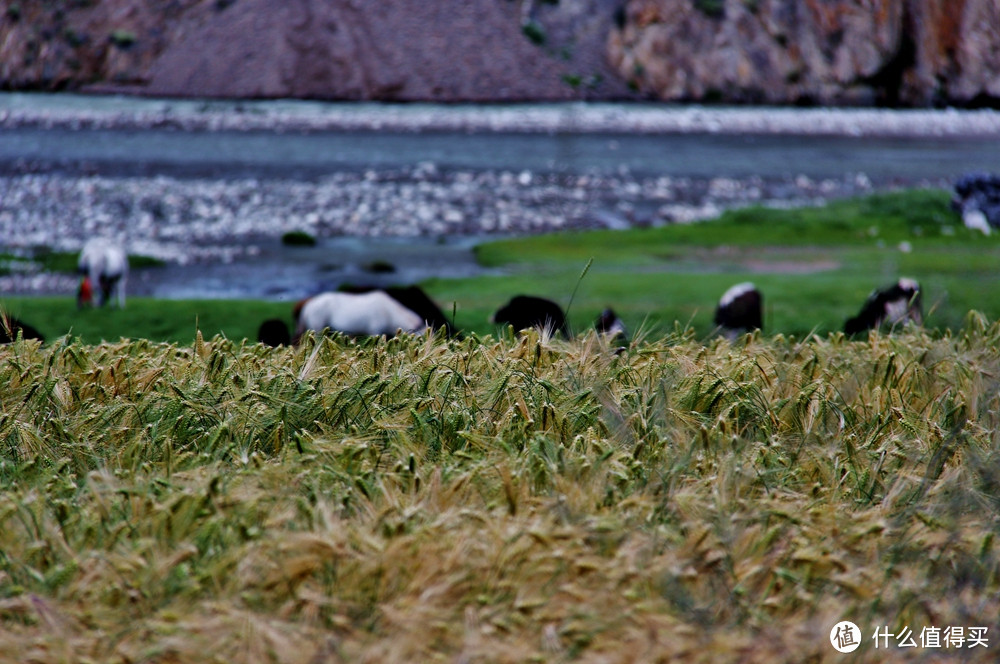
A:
[815,266]
[176,321]
[178,493]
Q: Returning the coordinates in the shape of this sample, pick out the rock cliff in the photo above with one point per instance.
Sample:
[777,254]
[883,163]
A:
[831,52]
[854,52]
[449,50]
[393,50]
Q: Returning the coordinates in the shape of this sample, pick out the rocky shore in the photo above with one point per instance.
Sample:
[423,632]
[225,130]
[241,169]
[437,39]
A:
[191,220]
[109,112]
[200,220]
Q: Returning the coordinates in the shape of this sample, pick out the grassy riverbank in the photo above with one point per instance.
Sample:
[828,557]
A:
[147,318]
[815,267]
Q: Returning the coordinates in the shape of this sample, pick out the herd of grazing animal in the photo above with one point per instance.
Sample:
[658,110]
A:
[369,311]
[364,311]
[740,310]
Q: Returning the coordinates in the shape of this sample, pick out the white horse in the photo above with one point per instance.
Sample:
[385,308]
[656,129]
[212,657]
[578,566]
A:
[105,268]
[372,313]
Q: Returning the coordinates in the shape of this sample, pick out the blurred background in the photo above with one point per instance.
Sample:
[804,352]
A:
[257,154]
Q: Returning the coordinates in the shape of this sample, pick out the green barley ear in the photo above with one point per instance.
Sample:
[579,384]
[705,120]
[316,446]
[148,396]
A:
[579,280]
[426,496]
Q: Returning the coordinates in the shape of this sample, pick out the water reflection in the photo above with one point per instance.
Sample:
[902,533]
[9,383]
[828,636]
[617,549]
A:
[277,272]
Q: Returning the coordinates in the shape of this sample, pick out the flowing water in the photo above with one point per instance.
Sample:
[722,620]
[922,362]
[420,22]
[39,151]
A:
[307,155]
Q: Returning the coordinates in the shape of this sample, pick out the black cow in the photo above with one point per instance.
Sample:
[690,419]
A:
[894,304]
[10,327]
[740,310]
[274,332]
[525,311]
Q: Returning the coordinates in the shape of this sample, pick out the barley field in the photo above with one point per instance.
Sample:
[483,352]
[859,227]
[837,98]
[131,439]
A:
[520,499]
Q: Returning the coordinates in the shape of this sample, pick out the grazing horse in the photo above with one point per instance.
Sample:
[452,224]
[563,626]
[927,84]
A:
[274,332]
[357,314]
[894,304]
[740,310]
[415,299]
[105,267]
[610,325]
[524,311]
[10,327]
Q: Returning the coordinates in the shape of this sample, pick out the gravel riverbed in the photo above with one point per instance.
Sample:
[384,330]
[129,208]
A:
[78,112]
[188,221]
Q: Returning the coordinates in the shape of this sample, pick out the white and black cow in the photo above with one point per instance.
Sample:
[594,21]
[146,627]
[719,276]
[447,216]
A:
[740,310]
[374,313]
[104,266]
[893,305]
[610,325]
[526,311]
[977,198]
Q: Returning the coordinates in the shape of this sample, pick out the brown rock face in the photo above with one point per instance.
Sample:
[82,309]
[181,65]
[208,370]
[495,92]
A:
[892,52]
[390,50]
[446,50]
[66,44]
[853,52]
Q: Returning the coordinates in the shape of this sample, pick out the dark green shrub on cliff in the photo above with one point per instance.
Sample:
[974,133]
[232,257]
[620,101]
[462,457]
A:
[123,38]
[711,8]
[534,31]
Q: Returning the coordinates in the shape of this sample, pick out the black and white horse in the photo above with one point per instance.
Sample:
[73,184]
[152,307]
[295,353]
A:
[527,311]
[893,305]
[373,313]
[11,327]
[105,268]
[740,310]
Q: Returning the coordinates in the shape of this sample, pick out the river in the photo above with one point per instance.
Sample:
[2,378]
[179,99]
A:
[67,137]
[219,154]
